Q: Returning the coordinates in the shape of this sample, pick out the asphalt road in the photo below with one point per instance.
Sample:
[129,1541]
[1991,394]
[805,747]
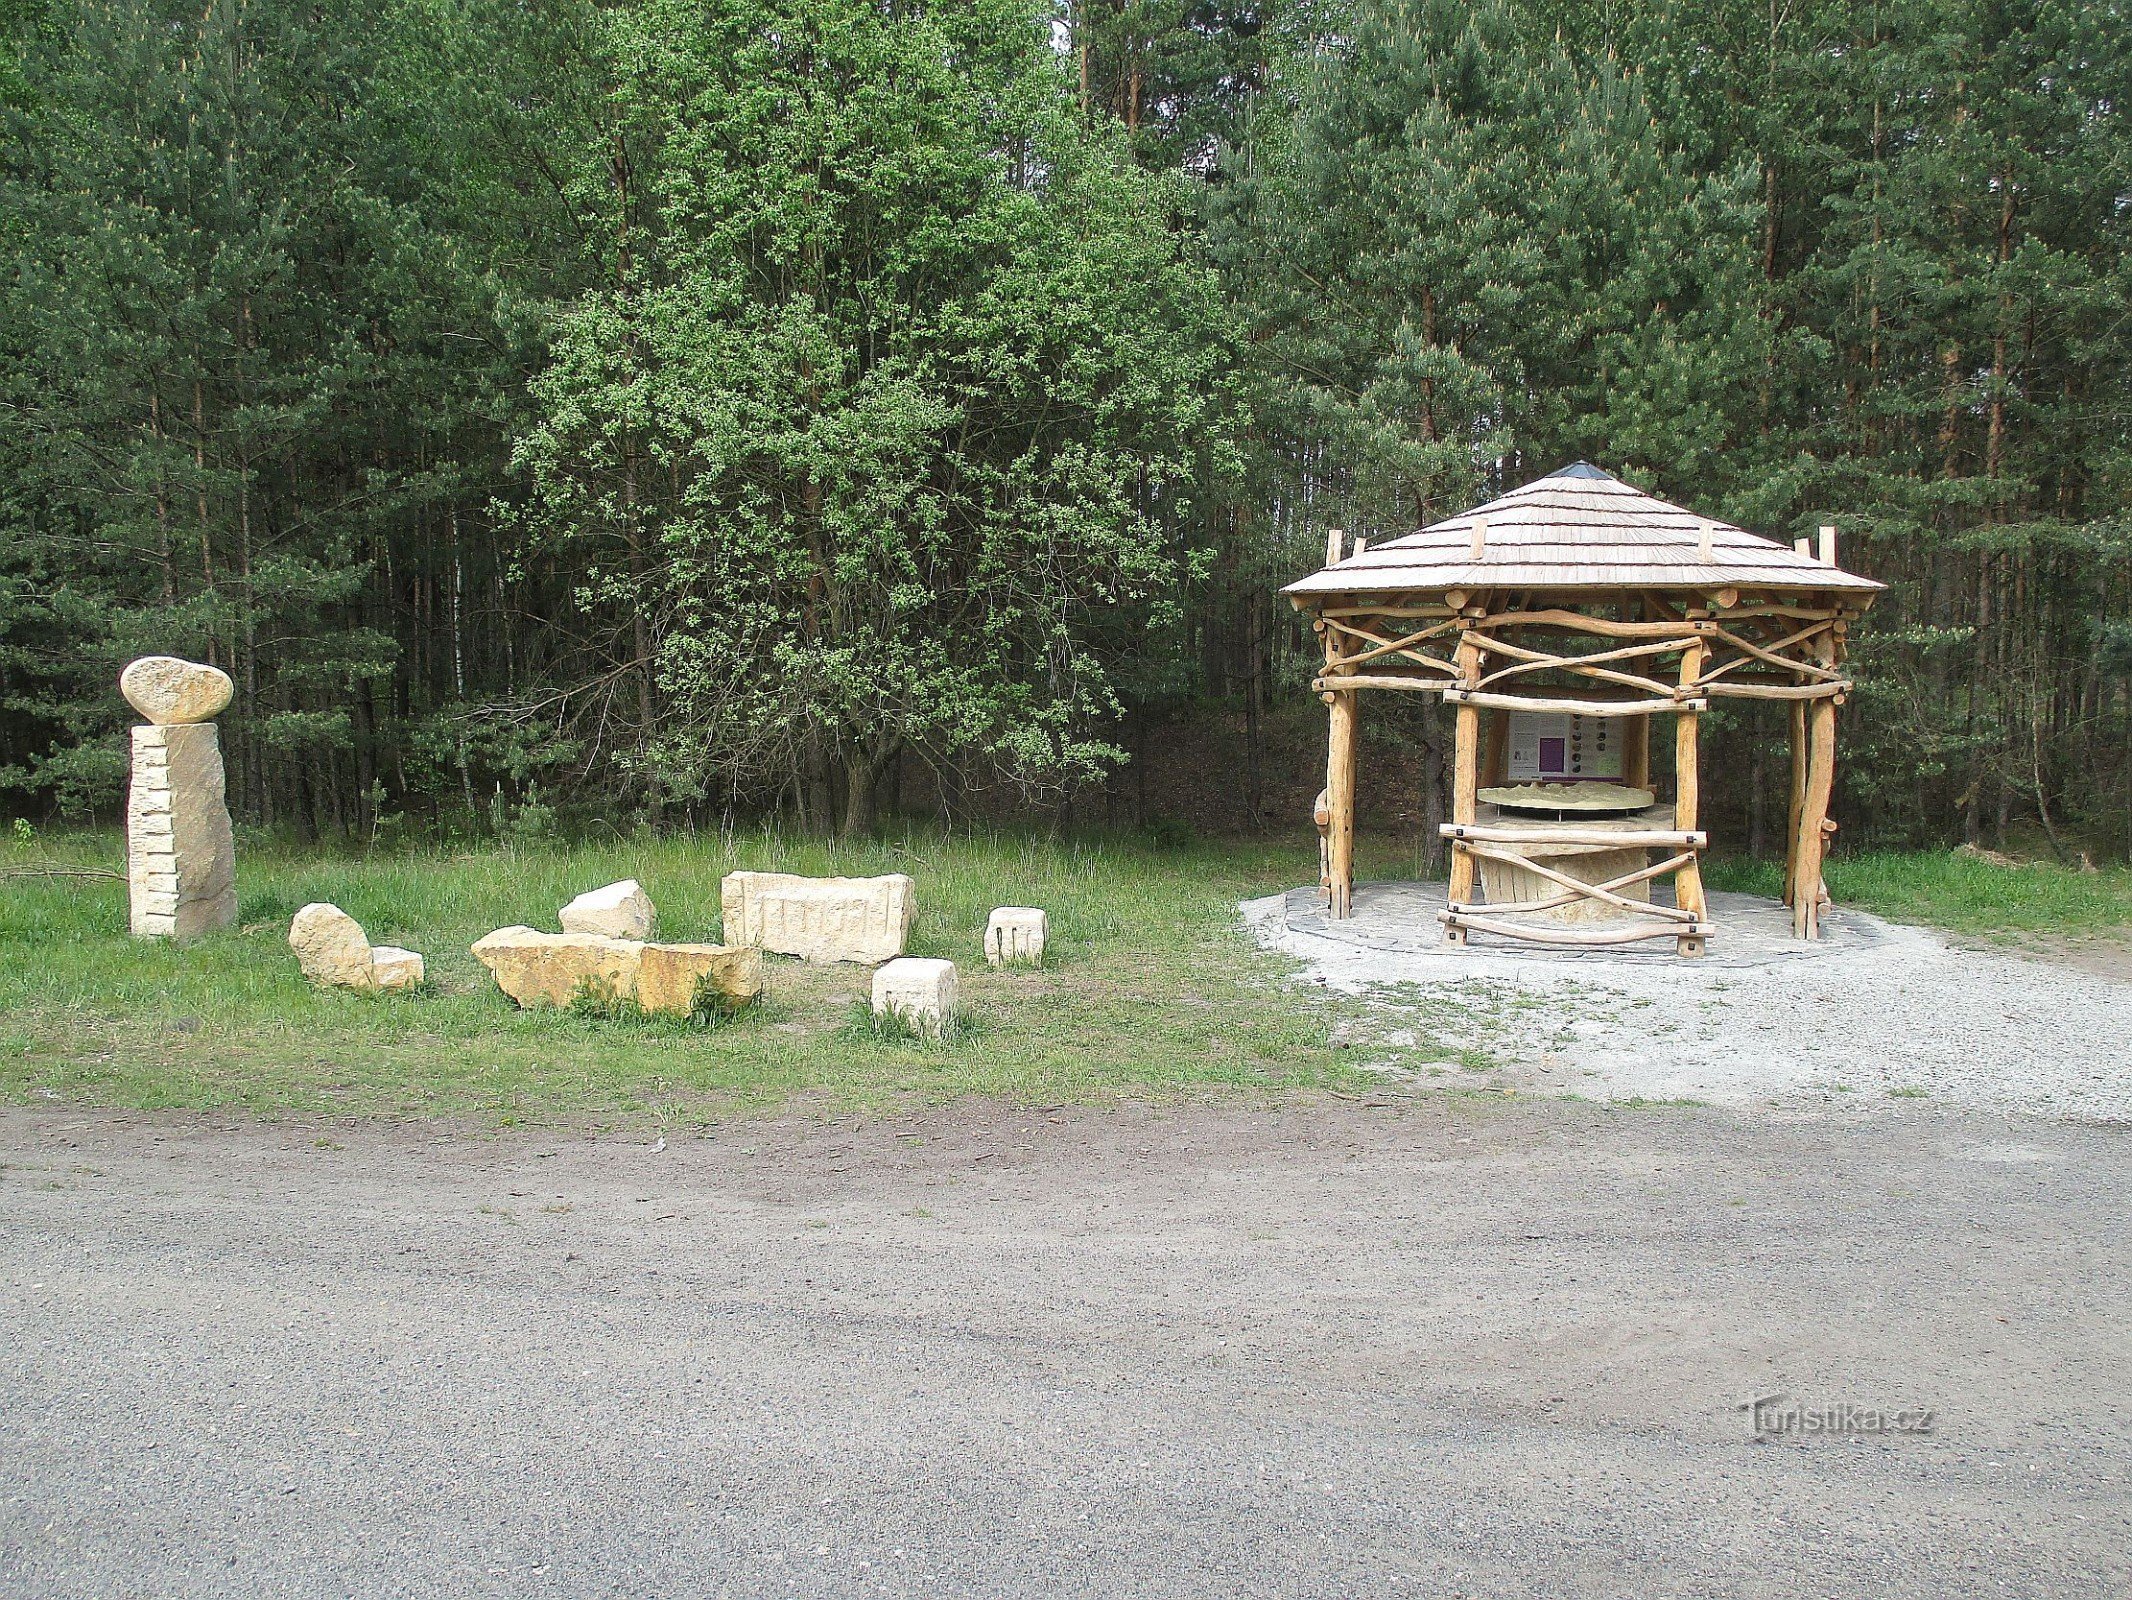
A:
[1409,1348]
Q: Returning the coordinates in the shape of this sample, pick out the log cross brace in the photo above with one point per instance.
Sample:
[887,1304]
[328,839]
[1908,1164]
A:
[1577,888]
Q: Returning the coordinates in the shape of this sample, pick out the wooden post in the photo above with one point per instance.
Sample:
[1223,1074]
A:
[1819,782]
[1798,801]
[1465,785]
[1636,752]
[1687,795]
[1340,803]
[1813,814]
[1339,824]
[1492,767]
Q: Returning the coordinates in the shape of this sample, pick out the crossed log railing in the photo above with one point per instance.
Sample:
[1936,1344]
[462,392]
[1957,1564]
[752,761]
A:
[1555,658]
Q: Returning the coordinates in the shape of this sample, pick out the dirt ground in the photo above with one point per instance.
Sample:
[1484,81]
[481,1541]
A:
[1420,1344]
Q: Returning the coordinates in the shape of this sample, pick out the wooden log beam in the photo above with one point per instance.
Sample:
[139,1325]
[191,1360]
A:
[1570,833]
[1607,627]
[1834,689]
[1585,708]
[1381,646]
[1343,681]
[1590,666]
[1774,654]
[1460,921]
[1578,888]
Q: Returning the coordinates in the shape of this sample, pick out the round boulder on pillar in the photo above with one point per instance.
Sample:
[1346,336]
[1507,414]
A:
[170,691]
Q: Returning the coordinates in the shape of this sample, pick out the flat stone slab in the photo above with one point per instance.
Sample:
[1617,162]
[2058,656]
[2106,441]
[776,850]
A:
[558,969]
[1016,935]
[672,977]
[820,919]
[921,991]
[620,910]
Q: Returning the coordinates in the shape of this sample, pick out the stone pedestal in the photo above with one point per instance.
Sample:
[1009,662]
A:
[181,861]
[919,991]
[1016,934]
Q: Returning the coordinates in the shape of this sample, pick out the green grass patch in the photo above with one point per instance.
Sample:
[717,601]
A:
[1965,893]
[1149,987]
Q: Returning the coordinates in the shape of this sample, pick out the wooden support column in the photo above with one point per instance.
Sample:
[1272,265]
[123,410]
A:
[1687,795]
[1636,752]
[1465,785]
[1813,815]
[1339,825]
[1820,783]
[1340,803]
[1498,757]
[1797,725]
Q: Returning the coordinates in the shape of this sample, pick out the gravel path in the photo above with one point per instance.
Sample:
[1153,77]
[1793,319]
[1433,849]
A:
[1873,1010]
[1436,1346]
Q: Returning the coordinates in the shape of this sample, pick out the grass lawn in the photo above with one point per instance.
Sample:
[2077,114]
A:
[1965,894]
[1149,985]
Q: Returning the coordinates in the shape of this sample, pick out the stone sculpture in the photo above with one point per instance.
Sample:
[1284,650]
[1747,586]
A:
[919,991]
[820,919]
[332,948]
[1016,934]
[181,858]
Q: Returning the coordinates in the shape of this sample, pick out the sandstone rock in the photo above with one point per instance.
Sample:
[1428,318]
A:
[555,969]
[820,919]
[668,975]
[168,690]
[331,947]
[621,911]
[1016,934]
[392,968]
[919,991]
[181,858]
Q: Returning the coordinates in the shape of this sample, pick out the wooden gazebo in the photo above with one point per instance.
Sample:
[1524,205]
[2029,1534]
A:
[1560,620]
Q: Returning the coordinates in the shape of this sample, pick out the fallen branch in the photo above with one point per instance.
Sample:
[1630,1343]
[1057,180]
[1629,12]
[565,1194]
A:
[61,872]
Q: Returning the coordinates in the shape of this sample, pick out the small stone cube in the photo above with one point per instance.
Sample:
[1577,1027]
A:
[1016,934]
[392,968]
[921,992]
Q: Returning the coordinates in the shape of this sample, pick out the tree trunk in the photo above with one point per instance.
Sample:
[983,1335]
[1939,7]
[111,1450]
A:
[862,775]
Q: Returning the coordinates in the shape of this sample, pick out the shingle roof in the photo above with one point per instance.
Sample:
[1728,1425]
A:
[1579,528]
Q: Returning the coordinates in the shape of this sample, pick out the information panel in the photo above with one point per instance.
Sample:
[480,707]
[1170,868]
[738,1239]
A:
[1551,746]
